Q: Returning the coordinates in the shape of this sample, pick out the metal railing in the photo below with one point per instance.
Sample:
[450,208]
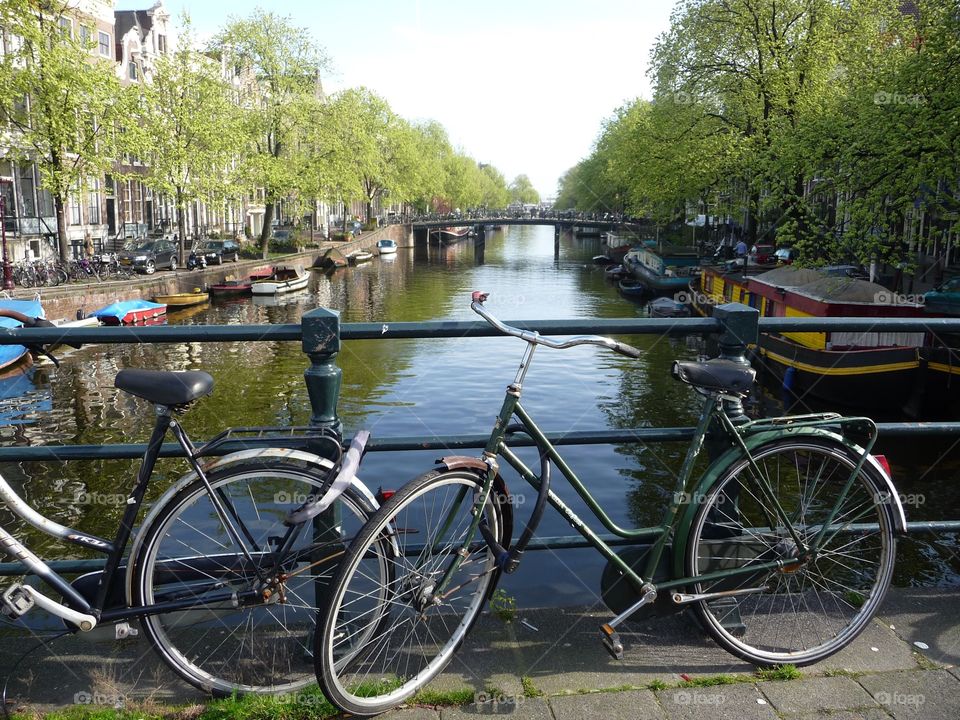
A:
[321,333]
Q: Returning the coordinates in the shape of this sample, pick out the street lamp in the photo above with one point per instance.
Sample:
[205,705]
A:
[7,269]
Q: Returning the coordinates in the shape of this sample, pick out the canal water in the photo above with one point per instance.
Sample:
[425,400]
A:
[429,388]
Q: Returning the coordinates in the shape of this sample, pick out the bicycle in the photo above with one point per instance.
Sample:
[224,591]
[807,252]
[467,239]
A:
[225,571]
[783,548]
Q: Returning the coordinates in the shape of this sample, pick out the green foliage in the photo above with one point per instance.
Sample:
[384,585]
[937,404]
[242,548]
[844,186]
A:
[780,672]
[62,102]
[522,190]
[529,689]
[187,129]
[503,605]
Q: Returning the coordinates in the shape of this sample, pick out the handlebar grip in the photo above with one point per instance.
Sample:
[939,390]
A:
[629,350]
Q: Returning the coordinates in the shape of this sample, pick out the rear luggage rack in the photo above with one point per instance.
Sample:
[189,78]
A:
[322,441]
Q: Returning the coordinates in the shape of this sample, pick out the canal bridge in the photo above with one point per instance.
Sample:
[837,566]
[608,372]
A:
[421,229]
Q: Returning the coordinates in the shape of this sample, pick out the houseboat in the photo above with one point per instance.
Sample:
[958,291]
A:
[451,235]
[664,270]
[856,369]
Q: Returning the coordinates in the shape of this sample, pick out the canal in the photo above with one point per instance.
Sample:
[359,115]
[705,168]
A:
[430,388]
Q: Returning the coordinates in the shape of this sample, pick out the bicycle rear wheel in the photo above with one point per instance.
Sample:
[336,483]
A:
[379,644]
[803,612]
[265,645]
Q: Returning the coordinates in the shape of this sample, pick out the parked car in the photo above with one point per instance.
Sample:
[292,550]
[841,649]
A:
[944,298]
[761,255]
[216,251]
[785,256]
[150,255]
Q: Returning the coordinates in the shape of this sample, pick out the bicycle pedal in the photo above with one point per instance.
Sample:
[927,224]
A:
[611,641]
[16,601]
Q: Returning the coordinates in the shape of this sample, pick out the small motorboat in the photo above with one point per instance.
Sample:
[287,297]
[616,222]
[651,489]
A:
[131,312]
[232,286]
[664,307]
[386,247]
[12,355]
[182,299]
[615,272]
[331,259]
[632,288]
[603,260]
[360,256]
[284,280]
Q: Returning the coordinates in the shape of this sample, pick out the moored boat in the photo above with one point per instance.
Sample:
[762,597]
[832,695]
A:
[261,272]
[131,312]
[665,270]
[857,369]
[182,299]
[232,286]
[331,259]
[450,235]
[615,272]
[284,280]
[12,356]
[632,288]
[664,307]
[386,247]
[359,256]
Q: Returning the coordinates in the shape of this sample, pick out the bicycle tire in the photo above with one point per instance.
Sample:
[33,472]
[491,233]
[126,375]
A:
[815,608]
[264,647]
[395,624]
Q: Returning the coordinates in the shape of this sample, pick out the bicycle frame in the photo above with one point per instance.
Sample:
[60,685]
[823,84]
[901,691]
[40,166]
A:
[712,414]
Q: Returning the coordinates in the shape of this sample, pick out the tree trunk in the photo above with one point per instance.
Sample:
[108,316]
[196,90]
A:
[265,231]
[182,227]
[63,245]
[750,230]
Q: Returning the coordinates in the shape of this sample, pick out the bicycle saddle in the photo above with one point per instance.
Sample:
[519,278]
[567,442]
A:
[165,388]
[715,374]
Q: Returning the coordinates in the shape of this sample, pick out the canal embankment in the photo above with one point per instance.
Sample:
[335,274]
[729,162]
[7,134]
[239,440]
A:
[66,301]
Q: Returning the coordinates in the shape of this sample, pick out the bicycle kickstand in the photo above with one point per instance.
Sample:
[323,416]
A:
[608,633]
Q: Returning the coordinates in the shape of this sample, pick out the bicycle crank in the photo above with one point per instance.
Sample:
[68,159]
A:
[683,598]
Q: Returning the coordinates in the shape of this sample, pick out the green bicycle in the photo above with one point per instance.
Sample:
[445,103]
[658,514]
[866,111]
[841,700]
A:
[784,547]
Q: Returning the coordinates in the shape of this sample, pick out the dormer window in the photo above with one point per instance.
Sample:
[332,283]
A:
[162,44]
[133,70]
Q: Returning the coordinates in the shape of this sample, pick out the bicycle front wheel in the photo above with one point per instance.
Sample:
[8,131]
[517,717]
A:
[262,644]
[806,610]
[379,644]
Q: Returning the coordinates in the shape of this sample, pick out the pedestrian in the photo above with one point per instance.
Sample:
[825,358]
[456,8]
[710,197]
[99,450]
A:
[741,248]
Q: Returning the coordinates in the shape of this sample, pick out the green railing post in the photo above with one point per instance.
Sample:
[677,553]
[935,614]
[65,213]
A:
[321,343]
[739,328]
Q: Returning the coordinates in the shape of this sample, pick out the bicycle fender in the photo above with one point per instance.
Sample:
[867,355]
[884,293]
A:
[716,468]
[502,492]
[282,454]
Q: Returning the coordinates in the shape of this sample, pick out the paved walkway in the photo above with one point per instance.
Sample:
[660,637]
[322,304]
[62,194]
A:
[549,664]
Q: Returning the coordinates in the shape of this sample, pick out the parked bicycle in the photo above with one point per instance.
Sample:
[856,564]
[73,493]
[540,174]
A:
[783,547]
[227,567]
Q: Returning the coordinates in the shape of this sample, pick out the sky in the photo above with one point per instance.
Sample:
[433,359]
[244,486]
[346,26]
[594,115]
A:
[524,85]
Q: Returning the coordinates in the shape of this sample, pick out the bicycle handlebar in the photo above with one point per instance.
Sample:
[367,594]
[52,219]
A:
[476,304]
[30,322]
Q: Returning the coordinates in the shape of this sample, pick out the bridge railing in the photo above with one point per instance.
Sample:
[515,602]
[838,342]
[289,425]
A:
[320,333]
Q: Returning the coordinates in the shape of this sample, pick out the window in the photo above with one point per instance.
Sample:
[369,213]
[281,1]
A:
[161,44]
[85,35]
[93,202]
[66,27]
[74,206]
[28,191]
[104,44]
[133,70]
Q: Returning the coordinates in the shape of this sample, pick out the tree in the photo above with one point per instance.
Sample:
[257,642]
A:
[63,102]
[375,146]
[277,65]
[522,190]
[187,129]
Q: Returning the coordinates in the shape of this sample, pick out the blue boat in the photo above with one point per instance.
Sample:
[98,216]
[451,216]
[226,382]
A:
[131,312]
[12,355]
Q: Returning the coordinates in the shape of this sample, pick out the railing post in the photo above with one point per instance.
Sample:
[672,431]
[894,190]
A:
[739,327]
[321,343]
